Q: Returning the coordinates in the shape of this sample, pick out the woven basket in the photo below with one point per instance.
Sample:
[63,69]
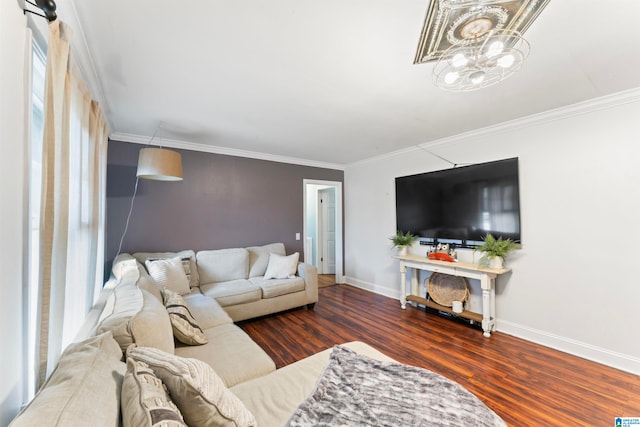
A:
[445,288]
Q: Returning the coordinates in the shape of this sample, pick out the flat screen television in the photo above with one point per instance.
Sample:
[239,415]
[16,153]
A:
[462,204]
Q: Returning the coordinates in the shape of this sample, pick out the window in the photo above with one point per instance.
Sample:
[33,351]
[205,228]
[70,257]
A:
[36,127]
[66,200]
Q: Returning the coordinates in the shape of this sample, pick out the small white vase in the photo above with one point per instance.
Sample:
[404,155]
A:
[496,262]
[402,250]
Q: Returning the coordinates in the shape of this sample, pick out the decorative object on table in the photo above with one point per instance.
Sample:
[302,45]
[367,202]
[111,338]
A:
[475,44]
[402,241]
[444,289]
[457,307]
[443,252]
[495,250]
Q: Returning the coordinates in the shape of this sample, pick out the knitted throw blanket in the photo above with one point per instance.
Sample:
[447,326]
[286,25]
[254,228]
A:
[355,390]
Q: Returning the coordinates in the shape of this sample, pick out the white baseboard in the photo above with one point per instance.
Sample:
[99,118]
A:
[614,359]
[606,357]
[368,286]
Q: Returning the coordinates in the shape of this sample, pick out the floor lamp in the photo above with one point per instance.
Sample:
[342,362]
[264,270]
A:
[157,164]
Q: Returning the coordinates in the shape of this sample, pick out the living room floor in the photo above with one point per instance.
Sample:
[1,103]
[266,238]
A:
[525,383]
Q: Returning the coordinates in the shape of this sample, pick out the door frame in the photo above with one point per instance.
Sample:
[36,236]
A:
[339,220]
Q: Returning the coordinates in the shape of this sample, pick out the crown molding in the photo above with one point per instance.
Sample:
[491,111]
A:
[206,148]
[68,13]
[561,113]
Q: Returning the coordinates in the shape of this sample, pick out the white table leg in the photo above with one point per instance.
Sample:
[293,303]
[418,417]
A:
[488,304]
[486,316]
[403,286]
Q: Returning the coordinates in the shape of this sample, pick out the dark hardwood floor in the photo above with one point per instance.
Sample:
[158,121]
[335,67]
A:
[525,383]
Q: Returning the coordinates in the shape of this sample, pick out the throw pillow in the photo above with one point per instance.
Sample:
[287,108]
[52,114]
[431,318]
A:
[169,273]
[282,267]
[186,265]
[185,327]
[145,400]
[198,391]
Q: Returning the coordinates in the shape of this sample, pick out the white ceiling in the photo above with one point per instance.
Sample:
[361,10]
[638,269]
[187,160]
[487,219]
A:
[329,81]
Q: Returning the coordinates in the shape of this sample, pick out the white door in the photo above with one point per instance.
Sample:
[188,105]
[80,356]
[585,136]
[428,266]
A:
[327,231]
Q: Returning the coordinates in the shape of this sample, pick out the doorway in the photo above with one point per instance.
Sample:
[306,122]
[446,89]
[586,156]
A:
[326,242]
[323,226]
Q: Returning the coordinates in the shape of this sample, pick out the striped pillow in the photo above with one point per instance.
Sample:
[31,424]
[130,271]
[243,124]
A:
[185,327]
[198,391]
[186,265]
[170,273]
[145,400]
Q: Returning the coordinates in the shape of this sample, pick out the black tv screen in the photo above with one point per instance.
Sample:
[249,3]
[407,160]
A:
[462,204]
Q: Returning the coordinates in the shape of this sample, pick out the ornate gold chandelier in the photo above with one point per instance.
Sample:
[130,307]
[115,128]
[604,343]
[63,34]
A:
[475,44]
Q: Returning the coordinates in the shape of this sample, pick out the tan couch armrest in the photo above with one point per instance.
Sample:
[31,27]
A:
[310,275]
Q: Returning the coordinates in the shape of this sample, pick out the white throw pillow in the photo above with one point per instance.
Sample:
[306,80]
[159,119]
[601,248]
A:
[282,267]
[169,273]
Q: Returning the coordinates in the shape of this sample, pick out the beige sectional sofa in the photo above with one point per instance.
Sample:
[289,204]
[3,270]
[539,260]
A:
[86,386]
[235,279]
[131,368]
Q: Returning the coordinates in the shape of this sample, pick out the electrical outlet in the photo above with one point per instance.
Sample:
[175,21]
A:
[297,236]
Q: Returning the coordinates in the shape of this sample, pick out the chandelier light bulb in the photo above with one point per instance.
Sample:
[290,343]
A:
[459,60]
[451,77]
[495,49]
[506,61]
[477,77]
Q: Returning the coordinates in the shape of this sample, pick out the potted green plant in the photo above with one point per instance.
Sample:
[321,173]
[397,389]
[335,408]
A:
[495,250]
[402,241]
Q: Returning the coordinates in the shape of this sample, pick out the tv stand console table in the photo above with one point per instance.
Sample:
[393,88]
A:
[486,276]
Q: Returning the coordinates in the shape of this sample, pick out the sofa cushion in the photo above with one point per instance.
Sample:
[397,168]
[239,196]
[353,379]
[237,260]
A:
[137,316]
[145,399]
[222,265]
[232,292]
[194,279]
[196,388]
[146,282]
[207,311]
[85,385]
[282,267]
[231,353]
[151,326]
[275,287]
[259,257]
[123,304]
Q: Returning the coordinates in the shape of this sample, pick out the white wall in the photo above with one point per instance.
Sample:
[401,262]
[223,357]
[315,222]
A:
[12,214]
[574,285]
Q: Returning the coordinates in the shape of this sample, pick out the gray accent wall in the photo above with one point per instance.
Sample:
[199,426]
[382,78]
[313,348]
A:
[223,202]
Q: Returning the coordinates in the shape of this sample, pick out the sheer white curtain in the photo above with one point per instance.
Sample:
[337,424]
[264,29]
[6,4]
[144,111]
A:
[73,194]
